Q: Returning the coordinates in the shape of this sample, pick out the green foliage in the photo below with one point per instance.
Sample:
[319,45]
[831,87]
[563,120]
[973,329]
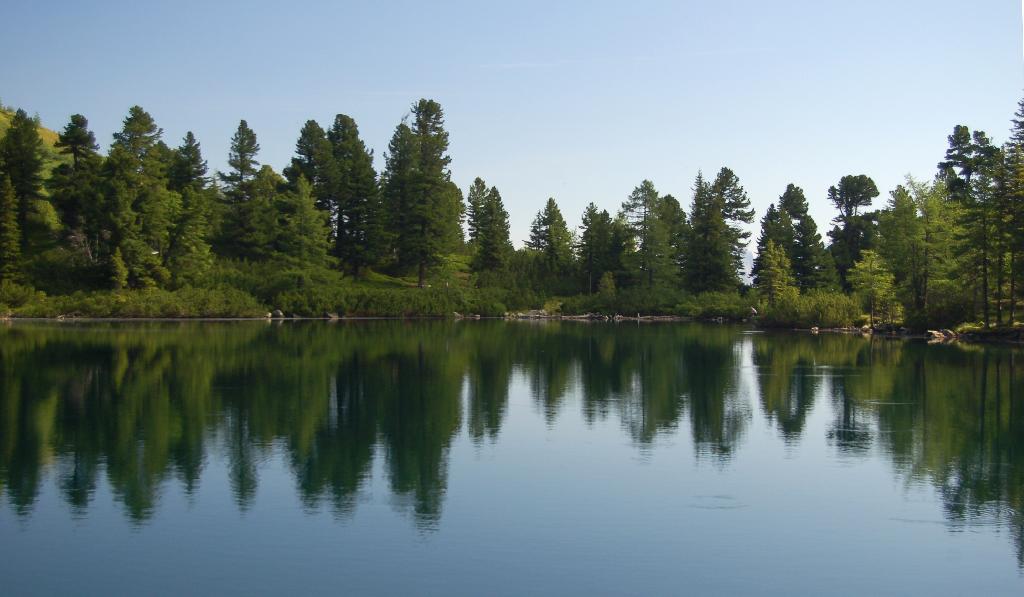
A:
[854,231]
[489,228]
[775,278]
[185,302]
[118,271]
[714,251]
[816,308]
[14,295]
[551,239]
[10,233]
[874,282]
[21,161]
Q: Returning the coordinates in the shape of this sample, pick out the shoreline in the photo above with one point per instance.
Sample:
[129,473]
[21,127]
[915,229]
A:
[1010,336]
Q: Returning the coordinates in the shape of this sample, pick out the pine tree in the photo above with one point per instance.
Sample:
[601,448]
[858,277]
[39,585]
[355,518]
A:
[77,140]
[76,191]
[305,229]
[358,212]
[21,158]
[715,248]
[642,209]
[10,236]
[188,168]
[854,231]
[139,138]
[550,237]
[902,244]
[775,275]
[242,160]
[190,257]
[776,230]
[475,199]
[677,228]
[425,207]
[594,244]
[139,211]
[312,156]
[492,243]
[812,263]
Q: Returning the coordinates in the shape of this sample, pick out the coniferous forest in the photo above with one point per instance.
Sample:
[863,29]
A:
[145,229]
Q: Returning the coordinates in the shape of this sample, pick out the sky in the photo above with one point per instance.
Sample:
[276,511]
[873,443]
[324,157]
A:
[580,101]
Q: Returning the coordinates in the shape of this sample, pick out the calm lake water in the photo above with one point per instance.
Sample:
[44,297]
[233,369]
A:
[487,458]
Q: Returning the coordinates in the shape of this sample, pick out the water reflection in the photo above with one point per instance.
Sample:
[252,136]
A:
[145,406]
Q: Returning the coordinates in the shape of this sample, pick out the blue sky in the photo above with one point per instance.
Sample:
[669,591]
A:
[576,100]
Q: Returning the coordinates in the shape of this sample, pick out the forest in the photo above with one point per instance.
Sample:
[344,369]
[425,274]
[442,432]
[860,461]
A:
[147,230]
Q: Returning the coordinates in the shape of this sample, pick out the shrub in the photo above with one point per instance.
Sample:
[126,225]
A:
[819,308]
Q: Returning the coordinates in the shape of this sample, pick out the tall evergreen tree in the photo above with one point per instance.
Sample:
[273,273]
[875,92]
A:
[188,168]
[677,228]
[77,140]
[189,257]
[813,266]
[21,159]
[75,189]
[550,237]
[972,170]
[475,199]
[140,212]
[642,210]
[777,230]
[775,274]
[304,234]
[492,241]
[312,157]
[594,245]
[715,248]
[358,214]
[854,231]
[242,160]
[10,235]
[425,206]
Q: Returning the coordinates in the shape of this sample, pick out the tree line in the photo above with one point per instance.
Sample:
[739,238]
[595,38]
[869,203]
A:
[146,215]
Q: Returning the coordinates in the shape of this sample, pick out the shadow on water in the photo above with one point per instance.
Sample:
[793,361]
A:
[146,405]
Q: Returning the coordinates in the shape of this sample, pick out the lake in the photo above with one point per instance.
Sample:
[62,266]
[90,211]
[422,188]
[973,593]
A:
[492,458]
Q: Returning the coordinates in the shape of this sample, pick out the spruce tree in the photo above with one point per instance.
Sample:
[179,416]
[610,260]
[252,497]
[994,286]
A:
[10,236]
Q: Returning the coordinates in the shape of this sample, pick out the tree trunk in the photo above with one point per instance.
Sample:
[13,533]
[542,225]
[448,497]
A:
[422,275]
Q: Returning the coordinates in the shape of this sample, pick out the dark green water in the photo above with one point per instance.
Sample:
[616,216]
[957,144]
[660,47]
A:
[490,458]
